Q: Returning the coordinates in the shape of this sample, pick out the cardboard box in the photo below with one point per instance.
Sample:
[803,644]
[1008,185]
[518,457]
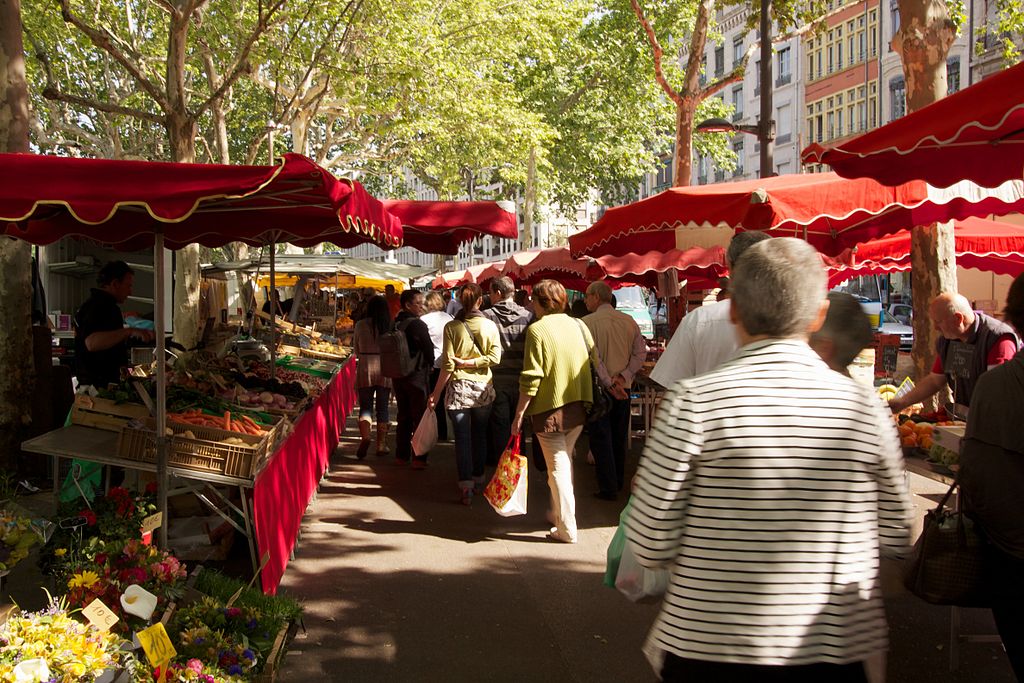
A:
[887,349]
[949,436]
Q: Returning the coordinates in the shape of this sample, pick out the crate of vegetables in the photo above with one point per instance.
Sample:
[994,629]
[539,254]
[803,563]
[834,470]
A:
[201,447]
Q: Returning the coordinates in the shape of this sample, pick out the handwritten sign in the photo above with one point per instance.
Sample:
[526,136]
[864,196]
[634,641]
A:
[152,523]
[157,646]
[99,615]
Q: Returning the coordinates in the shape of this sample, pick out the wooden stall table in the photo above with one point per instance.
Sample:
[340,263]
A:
[916,464]
[99,446]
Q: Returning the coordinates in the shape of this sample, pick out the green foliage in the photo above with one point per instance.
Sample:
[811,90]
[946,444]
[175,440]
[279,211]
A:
[278,608]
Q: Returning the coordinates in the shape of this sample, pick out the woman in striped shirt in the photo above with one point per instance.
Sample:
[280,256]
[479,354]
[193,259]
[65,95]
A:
[768,488]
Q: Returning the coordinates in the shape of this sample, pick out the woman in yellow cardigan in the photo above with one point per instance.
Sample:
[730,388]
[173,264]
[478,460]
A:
[554,388]
[471,346]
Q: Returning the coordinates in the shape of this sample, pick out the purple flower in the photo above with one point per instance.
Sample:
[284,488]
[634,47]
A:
[249,654]
[252,624]
[235,670]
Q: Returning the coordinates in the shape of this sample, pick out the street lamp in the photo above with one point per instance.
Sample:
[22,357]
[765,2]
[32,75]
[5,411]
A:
[765,127]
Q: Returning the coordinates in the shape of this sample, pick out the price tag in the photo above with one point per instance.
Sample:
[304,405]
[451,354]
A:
[152,523]
[99,615]
[157,646]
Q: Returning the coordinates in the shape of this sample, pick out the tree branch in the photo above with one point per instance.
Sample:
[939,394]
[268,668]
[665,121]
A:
[241,63]
[737,73]
[573,99]
[51,93]
[103,40]
[659,72]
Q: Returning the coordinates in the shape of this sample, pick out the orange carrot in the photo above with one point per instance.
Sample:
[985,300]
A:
[227,420]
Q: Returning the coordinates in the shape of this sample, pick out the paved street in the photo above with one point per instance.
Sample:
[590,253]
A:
[403,583]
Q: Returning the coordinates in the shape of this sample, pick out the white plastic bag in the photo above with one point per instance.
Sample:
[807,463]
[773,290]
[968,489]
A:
[508,491]
[425,436]
[637,582]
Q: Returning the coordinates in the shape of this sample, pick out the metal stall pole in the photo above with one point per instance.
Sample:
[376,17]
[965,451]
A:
[161,389]
[273,310]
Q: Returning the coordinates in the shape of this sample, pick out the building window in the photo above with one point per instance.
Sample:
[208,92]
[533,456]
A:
[953,74]
[842,114]
[737,51]
[784,68]
[783,124]
[897,98]
[704,70]
[719,60]
[737,147]
[702,170]
[737,103]
[894,19]
[757,78]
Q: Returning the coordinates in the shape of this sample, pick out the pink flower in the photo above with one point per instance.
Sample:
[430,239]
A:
[195,665]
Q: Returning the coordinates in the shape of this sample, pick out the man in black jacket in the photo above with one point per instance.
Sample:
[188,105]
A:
[411,391]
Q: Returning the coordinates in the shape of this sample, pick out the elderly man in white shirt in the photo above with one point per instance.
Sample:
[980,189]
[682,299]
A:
[769,487]
[705,338]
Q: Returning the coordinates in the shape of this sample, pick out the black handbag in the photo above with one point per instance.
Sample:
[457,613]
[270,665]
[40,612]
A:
[601,404]
[948,564]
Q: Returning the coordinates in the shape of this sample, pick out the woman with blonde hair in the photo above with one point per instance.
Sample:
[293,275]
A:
[472,345]
[554,390]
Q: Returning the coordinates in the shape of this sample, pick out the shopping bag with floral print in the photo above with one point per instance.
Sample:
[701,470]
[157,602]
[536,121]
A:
[507,490]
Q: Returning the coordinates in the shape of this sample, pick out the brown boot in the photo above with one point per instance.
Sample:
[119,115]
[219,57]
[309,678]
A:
[382,439]
[364,443]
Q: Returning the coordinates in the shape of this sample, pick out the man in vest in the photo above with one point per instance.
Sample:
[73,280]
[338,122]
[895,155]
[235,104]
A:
[971,343]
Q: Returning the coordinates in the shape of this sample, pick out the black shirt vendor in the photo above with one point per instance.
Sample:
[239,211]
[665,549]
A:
[101,339]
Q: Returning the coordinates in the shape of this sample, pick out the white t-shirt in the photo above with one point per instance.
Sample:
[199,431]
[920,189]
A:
[705,339]
[435,321]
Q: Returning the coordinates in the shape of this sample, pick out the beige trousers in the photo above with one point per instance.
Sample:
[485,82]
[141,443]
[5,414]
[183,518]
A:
[558,448]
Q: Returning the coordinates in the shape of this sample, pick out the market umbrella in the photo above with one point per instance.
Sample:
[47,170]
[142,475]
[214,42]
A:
[440,227]
[122,204]
[987,245]
[700,267]
[131,204]
[533,265]
[832,213]
[975,134]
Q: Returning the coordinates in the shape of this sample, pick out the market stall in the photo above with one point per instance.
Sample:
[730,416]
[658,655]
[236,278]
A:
[830,212]
[136,203]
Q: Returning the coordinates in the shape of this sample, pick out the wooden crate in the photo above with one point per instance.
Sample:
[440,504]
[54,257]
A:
[204,453]
[103,413]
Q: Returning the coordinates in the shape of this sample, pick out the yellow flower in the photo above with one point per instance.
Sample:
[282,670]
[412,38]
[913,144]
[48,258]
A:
[86,579]
[60,552]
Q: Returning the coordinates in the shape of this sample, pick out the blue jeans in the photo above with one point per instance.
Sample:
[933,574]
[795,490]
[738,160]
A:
[470,428]
[367,397]
[608,437]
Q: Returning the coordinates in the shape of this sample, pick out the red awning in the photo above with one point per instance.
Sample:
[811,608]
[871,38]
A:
[481,274]
[976,134]
[440,227]
[121,204]
[986,245]
[555,263]
[833,212]
[700,267]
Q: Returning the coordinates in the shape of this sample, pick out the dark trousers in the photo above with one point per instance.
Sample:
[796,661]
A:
[1006,576]
[368,396]
[503,410]
[442,417]
[679,670]
[608,438]
[411,396]
[471,426]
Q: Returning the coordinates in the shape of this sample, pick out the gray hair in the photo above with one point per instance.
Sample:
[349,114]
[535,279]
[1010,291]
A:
[601,290]
[778,287]
[740,242]
[503,286]
[846,326]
